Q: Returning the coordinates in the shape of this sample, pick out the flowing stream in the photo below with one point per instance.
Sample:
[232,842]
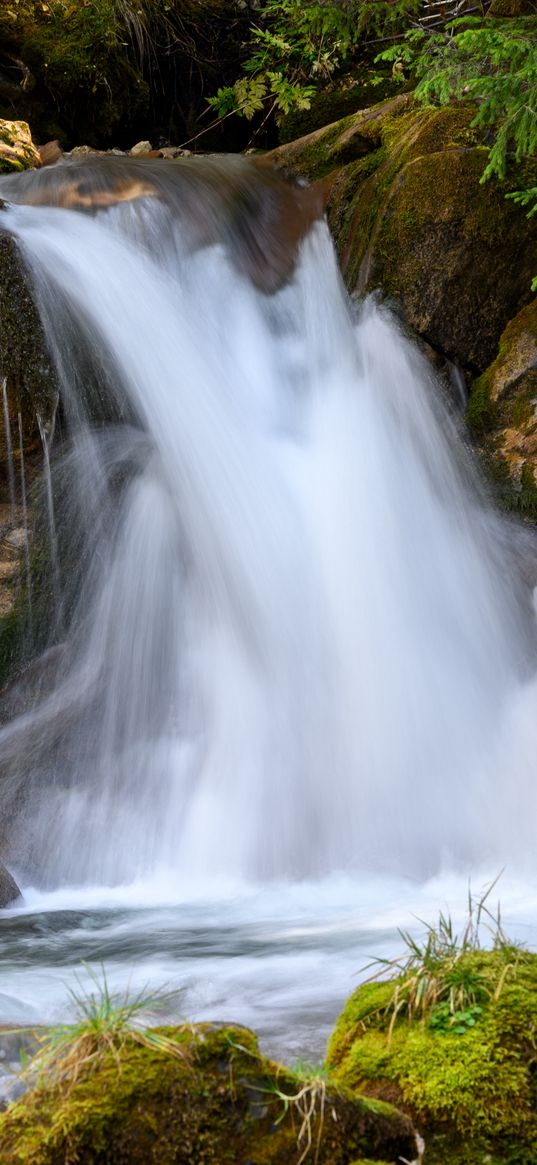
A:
[293,702]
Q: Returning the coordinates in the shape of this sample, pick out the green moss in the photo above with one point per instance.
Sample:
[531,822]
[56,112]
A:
[361,89]
[222,1103]
[481,411]
[475,1092]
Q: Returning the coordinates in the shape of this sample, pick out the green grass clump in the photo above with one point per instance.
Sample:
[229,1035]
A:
[105,1025]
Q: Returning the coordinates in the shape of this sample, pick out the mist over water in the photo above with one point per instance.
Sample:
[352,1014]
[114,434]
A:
[296,681]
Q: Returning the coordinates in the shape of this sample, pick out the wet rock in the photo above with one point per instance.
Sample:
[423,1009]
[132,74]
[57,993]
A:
[9,891]
[17,150]
[219,1100]
[84,152]
[502,413]
[410,217]
[16,1047]
[12,1087]
[50,153]
[24,357]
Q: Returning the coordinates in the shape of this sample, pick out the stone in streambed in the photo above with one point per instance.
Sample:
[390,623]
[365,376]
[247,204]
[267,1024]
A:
[9,891]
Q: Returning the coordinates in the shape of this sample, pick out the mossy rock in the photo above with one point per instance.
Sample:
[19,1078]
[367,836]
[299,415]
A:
[364,86]
[502,414]
[410,217]
[471,1091]
[221,1103]
[17,150]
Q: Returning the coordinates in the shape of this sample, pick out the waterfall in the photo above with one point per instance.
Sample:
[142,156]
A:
[294,628]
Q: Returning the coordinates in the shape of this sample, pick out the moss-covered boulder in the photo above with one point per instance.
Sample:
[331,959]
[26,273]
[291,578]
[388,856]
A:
[469,1080]
[221,1102]
[17,150]
[502,413]
[410,217]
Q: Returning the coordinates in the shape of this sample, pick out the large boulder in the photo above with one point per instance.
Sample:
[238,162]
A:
[465,1072]
[9,891]
[220,1101]
[410,217]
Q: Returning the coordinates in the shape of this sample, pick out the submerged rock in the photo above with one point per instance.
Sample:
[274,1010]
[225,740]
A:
[467,1082]
[9,891]
[410,217]
[222,1101]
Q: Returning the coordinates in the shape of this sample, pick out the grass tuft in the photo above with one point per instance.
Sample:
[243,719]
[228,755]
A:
[105,1023]
[435,980]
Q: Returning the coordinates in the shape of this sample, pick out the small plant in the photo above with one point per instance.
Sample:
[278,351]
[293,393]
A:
[306,1103]
[442,1018]
[295,46]
[436,981]
[105,1023]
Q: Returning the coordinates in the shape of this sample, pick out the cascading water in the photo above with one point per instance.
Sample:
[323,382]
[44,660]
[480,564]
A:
[295,628]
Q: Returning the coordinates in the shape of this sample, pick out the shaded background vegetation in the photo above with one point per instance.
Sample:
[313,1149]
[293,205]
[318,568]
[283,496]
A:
[229,73]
